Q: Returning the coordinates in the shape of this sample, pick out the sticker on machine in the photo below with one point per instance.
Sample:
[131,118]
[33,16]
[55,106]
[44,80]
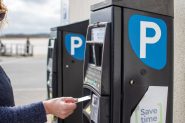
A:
[94,108]
[153,106]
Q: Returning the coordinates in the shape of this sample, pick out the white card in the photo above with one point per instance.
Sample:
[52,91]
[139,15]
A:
[84,99]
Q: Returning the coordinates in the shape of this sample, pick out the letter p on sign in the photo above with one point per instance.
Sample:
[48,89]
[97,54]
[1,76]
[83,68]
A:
[148,39]
[144,40]
[75,45]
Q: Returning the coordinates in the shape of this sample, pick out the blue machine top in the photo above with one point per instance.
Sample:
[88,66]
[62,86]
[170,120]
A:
[163,7]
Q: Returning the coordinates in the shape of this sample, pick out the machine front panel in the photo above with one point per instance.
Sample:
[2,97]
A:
[68,61]
[96,74]
[97,60]
[72,70]
[148,70]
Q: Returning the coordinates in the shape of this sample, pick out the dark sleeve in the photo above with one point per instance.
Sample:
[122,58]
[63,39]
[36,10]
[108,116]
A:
[33,113]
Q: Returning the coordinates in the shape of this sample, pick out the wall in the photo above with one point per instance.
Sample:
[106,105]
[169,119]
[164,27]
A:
[179,62]
[80,9]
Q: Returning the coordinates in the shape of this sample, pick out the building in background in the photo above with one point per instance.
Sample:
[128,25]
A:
[76,10]
[65,12]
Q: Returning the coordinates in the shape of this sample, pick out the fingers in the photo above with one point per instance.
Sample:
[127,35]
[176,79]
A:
[60,107]
[69,99]
[69,106]
[67,109]
[67,114]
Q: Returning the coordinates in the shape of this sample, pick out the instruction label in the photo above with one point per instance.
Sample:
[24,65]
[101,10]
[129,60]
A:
[153,106]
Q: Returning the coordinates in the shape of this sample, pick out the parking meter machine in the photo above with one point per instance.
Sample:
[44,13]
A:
[128,69]
[65,64]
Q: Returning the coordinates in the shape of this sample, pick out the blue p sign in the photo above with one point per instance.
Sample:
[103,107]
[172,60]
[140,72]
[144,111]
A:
[148,38]
[75,45]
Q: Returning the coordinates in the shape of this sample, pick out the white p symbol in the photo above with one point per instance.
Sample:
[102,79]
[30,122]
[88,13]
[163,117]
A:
[75,45]
[144,40]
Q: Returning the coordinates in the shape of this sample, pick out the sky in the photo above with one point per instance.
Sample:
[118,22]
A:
[31,16]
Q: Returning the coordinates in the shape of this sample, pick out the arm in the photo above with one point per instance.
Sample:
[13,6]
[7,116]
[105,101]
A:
[36,112]
[33,113]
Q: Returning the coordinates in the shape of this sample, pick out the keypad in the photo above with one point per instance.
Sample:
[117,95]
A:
[93,78]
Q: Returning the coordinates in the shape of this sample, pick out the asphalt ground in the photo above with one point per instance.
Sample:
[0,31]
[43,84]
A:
[28,78]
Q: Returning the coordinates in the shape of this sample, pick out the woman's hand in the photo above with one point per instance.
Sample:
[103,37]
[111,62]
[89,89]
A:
[60,107]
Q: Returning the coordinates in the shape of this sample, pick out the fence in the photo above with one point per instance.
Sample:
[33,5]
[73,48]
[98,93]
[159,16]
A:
[16,50]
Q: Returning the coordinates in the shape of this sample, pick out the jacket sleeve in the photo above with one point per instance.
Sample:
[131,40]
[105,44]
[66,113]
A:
[33,113]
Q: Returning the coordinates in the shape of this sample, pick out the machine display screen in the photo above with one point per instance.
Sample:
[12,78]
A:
[98,34]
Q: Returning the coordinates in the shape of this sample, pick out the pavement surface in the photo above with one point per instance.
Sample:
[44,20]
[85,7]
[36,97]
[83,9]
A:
[28,77]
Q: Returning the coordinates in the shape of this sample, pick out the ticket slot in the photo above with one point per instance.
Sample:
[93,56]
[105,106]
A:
[97,109]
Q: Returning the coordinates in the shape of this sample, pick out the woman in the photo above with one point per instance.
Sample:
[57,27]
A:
[35,112]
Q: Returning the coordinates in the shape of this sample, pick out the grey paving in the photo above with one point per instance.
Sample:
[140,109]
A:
[28,77]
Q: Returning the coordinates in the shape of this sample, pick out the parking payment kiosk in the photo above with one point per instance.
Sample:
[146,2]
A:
[65,64]
[128,69]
